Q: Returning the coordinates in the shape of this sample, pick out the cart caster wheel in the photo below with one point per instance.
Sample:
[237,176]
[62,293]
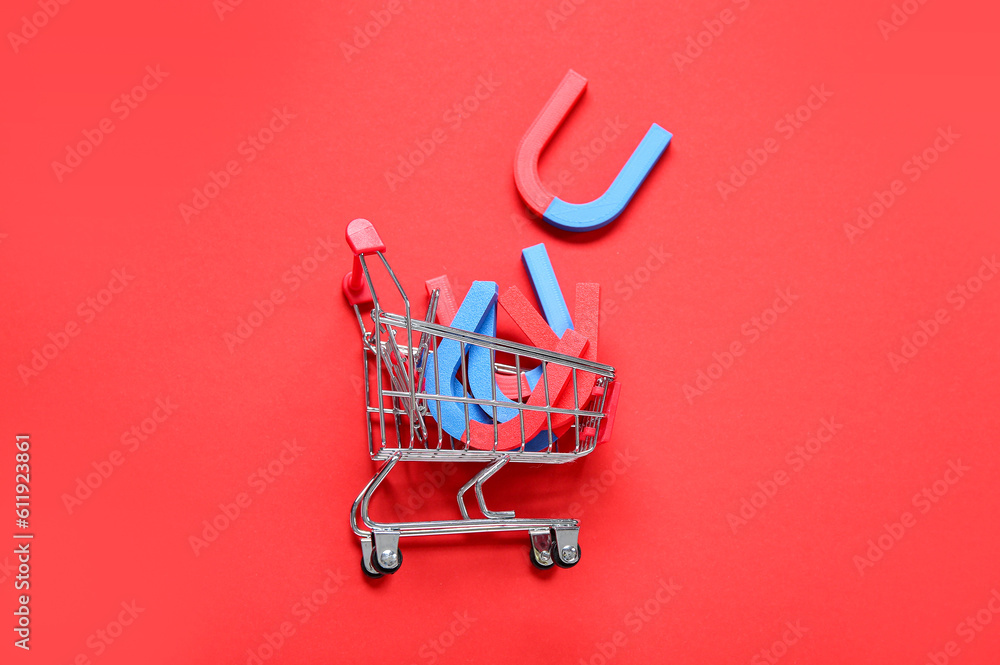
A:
[540,552]
[546,562]
[568,557]
[364,569]
[388,563]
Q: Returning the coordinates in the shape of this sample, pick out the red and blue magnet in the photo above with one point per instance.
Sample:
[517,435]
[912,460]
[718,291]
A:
[602,210]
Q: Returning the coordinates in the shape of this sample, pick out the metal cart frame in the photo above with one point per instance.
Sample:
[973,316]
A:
[402,419]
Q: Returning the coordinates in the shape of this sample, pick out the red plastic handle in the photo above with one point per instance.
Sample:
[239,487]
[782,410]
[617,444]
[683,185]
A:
[362,238]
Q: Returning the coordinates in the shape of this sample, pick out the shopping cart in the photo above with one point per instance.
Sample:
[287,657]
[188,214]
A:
[405,409]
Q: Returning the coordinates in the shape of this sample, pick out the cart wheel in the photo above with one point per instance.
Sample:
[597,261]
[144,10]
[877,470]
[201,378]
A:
[540,552]
[569,552]
[533,557]
[388,557]
[364,569]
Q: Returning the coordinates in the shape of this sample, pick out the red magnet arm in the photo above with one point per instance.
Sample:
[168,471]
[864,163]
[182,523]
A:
[537,137]
[447,306]
[585,314]
[508,434]
[538,332]
[527,318]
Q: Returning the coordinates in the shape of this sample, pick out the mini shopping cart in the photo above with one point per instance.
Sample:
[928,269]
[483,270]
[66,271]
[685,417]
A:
[404,409]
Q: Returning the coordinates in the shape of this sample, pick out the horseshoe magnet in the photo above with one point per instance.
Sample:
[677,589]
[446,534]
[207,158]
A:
[602,210]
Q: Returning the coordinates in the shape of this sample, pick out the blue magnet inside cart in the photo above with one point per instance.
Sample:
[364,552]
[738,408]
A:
[549,294]
[481,377]
[443,367]
[478,313]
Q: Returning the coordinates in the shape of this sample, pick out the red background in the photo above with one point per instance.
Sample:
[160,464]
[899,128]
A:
[664,517]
